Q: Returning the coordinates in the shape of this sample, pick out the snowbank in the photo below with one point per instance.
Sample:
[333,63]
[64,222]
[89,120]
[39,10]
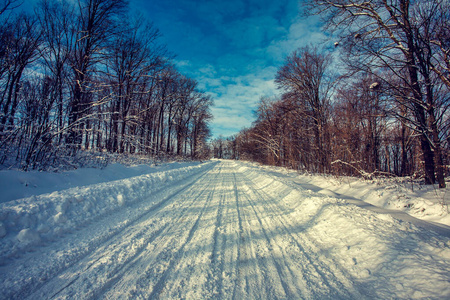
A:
[382,253]
[420,201]
[29,221]
[16,184]
[423,202]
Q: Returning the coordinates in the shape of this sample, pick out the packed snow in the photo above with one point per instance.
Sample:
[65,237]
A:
[218,229]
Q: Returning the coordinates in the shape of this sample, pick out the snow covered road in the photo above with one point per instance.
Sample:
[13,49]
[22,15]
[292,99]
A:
[224,230]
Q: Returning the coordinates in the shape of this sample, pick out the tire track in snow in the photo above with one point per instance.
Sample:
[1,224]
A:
[272,279]
[329,272]
[118,271]
[288,291]
[283,268]
[248,278]
[252,267]
[240,233]
[192,276]
[222,275]
[157,258]
[161,283]
[117,235]
[269,202]
[166,251]
[215,277]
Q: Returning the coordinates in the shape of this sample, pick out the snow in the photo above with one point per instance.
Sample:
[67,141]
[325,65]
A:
[219,229]
[18,184]
[51,214]
[425,202]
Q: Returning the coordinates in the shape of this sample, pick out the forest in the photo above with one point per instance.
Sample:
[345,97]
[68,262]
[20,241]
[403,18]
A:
[91,77]
[374,105]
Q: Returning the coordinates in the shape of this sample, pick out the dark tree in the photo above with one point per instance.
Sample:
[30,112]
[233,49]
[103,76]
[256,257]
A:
[305,77]
[391,35]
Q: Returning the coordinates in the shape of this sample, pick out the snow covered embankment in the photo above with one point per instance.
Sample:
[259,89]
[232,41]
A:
[36,219]
[386,258]
[425,202]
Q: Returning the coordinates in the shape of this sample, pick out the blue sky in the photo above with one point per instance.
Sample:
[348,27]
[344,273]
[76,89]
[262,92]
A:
[233,48]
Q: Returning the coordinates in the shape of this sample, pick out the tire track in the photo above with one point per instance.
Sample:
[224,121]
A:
[159,255]
[160,284]
[241,230]
[271,280]
[224,271]
[329,272]
[289,293]
[119,270]
[257,283]
[116,235]
[217,255]
[195,271]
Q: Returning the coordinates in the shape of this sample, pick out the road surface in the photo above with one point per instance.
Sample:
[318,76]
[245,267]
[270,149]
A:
[231,232]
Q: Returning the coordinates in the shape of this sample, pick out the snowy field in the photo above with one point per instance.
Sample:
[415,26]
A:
[220,230]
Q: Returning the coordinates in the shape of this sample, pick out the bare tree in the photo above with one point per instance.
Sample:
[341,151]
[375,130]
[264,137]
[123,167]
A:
[305,75]
[57,20]
[200,131]
[22,45]
[97,22]
[133,55]
[384,35]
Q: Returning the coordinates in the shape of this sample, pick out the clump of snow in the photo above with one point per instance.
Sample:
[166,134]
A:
[374,86]
[28,236]
[59,218]
[120,200]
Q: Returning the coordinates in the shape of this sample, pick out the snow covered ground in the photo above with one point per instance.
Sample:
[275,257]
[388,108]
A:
[219,229]
[426,202]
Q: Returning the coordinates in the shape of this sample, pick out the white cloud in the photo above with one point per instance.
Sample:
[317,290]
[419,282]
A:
[182,63]
[236,98]
[302,32]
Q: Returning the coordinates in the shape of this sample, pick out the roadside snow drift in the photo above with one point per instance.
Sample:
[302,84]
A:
[425,202]
[26,222]
[219,230]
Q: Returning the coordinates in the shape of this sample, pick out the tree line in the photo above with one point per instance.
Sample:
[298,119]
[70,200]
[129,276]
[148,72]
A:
[90,75]
[377,104]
